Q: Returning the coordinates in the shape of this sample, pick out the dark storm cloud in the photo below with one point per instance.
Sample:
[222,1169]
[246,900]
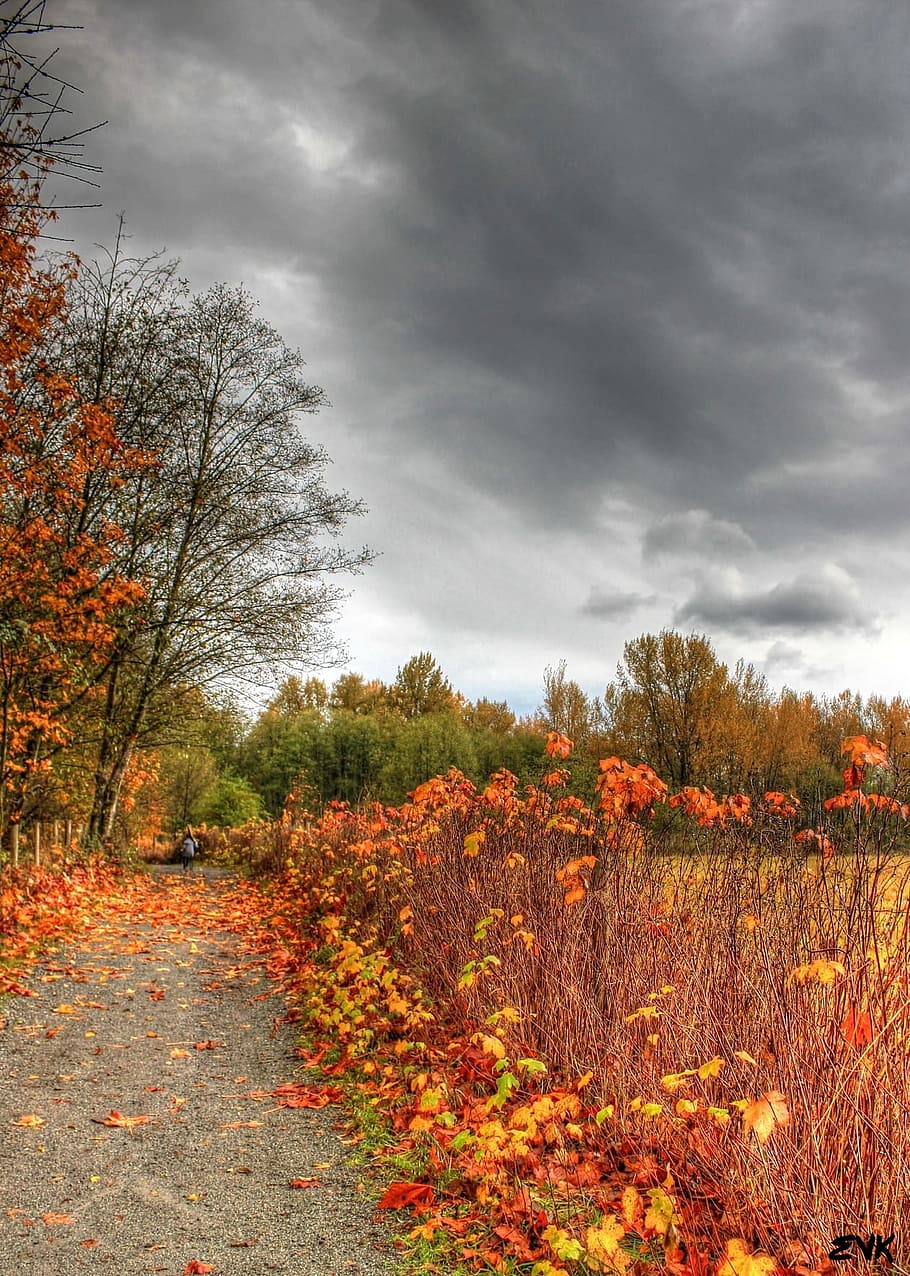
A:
[813,602]
[646,232]
[651,256]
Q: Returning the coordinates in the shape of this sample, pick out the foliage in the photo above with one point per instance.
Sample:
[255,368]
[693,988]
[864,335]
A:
[603,1029]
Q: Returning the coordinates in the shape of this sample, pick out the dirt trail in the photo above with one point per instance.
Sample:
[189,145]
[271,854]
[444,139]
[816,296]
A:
[155,1012]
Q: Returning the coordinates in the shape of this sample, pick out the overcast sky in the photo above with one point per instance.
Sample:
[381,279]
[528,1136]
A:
[611,300]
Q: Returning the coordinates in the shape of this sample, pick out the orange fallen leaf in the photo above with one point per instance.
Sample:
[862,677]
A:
[117,1119]
[206,1045]
[88,1242]
[65,1009]
[296,1095]
[399,1196]
[195,1268]
[51,1032]
[304,1182]
[31,1121]
[180,1054]
[56,1220]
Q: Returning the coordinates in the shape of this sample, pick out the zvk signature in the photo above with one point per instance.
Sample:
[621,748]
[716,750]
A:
[875,1247]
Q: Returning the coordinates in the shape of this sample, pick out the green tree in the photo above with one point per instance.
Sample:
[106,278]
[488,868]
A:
[228,802]
[421,687]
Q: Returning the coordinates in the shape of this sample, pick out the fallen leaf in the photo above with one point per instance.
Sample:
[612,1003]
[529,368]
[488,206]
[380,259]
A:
[399,1196]
[88,1243]
[115,1118]
[52,1032]
[739,1262]
[180,1054]
[31,1121]
[206,1045]
[56,1220]
[304,1182]
[195,1268]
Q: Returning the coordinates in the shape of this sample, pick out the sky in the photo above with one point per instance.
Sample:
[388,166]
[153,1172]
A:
[611,301]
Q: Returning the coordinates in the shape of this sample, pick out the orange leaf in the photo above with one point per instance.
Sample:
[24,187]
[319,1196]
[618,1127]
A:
[304,1182]
[56,1220]
[399,1196]
[31,1121]
[206,1045]
[857,1027]
[117,1119]
[195,1268]
[762,1116]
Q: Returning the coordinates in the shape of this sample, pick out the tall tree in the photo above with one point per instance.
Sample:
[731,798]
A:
[235,539]
[565,706]
[659,706]
[421,687]
[60,587]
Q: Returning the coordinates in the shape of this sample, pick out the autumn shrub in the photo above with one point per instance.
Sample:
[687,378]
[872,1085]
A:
[39,905]
[733,987]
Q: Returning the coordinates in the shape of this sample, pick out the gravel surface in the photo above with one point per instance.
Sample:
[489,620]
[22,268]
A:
[115,1028]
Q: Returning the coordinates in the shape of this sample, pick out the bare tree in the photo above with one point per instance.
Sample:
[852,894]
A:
[230,530]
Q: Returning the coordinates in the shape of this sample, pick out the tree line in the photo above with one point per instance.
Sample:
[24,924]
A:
[672,703]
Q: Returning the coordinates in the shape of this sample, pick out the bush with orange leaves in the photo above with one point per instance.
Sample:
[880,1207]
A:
[695,972]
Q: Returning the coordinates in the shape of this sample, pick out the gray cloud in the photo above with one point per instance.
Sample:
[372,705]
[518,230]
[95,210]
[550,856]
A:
[696,534]
[605,603]
[826,600]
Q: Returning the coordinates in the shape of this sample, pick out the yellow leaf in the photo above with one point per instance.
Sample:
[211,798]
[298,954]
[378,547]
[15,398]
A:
[602,1246]
[745,1057]
[631,1204]
[661,1215]
[739,1262]
[821,971]
[489,1045]
[686,1107]
[674,1081]
[765,1114]
[711,1068]
[473,843]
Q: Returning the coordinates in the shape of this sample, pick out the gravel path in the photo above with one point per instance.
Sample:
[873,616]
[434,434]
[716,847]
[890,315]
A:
[171,1022]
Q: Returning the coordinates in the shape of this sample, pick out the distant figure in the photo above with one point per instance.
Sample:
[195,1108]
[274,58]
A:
[188,849]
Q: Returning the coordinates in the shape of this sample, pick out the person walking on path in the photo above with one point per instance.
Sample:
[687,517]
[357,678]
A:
[188,849]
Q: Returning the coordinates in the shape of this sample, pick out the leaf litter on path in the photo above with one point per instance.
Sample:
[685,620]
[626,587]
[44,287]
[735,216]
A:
[196,1179]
